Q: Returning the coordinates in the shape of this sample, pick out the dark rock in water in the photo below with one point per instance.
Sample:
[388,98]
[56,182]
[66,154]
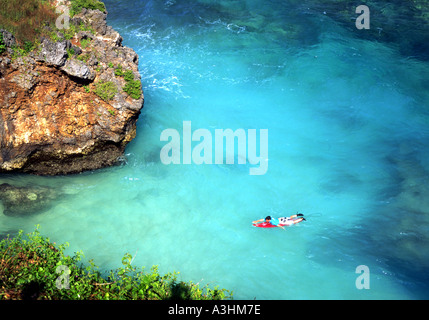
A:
[403,24]
[8,234]
[403,238]
[22,201]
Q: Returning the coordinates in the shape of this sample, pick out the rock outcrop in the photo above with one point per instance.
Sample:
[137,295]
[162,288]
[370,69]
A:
[64,107]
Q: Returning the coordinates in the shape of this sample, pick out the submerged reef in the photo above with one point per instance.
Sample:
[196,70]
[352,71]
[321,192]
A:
[408,212]
[71,103]
[402,24]
[23,201]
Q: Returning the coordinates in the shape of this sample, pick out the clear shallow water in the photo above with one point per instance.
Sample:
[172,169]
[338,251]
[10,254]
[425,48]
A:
[348,137]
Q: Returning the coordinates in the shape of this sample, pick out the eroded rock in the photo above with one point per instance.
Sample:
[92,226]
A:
[78,69]
[53,117]
[53,53]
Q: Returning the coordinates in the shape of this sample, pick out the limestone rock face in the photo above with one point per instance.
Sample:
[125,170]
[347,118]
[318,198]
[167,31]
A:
[78,69]
[53,119]
[54,53]
[8,38]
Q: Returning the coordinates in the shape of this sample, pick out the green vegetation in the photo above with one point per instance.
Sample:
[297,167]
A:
[2,45]
[78,5]
[84,43]
[23,50]
[106,90]
[132,87]
[26,19]
[71,31]
[71,52]
[118,71]
[128,75]
[84,57]
[32,267]
[29,19]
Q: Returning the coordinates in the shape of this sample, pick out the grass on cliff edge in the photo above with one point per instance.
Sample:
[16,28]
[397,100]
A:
[32,267]
[26,19]
[78,5]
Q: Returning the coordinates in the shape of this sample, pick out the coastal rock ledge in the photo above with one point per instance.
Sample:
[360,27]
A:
[72,103]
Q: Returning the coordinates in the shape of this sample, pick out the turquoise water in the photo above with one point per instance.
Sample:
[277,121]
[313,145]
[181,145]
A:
[348,147]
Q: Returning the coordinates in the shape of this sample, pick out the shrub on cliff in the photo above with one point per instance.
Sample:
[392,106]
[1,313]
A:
[78,5]
[132,87]
[2,44]
[106,90]
[33,267]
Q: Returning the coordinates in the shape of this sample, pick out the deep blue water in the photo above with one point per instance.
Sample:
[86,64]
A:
[348,147]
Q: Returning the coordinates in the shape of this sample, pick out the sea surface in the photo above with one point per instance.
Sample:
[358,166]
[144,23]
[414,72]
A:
[348,129]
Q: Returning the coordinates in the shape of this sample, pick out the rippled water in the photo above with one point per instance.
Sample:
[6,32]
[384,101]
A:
[348,147]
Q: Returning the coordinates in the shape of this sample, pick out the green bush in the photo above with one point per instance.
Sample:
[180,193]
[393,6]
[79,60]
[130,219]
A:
[118,71]
[105,90]
[2,44]
[128,75]
[133,88]
[84,43]
[27,20]
[32,267]
[71,31]
[78,5]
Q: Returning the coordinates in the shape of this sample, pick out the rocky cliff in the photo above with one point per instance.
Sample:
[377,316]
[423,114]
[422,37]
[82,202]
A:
[72,103]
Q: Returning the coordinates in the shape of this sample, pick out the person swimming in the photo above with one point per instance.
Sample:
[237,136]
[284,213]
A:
[277,223]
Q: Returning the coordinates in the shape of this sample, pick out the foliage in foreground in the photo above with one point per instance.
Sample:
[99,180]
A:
[32,267]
